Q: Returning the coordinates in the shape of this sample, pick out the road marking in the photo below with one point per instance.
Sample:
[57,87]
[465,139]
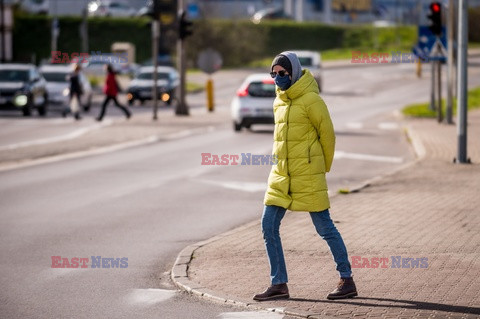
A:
[388,126]
[368,157]
[104,150]
[354,125]
[249,187]
[250,315]
[69,136]
[150,296]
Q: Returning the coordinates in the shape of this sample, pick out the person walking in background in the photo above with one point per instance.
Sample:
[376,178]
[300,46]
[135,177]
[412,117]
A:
[304,144]
[111,89]
[75,94]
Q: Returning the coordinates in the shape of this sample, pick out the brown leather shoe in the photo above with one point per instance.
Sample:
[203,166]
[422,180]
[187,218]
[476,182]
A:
[345,289]
[273,292]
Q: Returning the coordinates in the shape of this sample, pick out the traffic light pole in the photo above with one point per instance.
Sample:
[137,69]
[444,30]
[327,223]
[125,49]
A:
[462,82]
[182,107]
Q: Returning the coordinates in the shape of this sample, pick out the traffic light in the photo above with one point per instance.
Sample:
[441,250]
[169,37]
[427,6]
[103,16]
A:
[185,26]
[435,16]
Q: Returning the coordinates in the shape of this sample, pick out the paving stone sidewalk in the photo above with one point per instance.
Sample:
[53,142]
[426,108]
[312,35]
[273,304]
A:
[430,209]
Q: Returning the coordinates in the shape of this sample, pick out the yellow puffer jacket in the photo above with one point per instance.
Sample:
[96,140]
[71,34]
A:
[304,143]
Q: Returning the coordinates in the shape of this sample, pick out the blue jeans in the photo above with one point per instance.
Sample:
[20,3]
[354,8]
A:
[271,219]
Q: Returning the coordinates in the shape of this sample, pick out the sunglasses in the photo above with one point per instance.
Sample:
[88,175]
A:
[281,73]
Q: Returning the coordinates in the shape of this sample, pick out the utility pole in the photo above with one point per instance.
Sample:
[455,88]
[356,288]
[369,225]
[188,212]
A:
[55,28]
[155,38]
[450,60]
[184,30]
[327,9]
[462,83]
[299,11]
[84,29]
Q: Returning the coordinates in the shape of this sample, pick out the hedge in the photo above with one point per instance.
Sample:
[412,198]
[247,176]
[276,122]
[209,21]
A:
[238,41]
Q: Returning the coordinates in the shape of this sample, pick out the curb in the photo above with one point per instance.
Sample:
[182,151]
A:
[179,273]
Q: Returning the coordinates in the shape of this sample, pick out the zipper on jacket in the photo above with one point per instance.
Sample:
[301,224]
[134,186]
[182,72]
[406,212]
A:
[309,155]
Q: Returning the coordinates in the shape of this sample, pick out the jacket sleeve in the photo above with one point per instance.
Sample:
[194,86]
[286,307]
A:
[320,118]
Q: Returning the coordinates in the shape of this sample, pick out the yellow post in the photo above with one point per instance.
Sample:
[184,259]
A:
[419,68]
[210,104]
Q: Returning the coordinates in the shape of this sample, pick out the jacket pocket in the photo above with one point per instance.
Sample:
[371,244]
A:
[309,159]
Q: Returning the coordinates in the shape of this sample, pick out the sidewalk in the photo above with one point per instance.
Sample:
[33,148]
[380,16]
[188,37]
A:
[429,209]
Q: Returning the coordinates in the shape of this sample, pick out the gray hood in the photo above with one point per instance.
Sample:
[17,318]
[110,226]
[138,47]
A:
[296,66]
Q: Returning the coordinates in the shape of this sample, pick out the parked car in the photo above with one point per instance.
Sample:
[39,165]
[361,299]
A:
[146,10]
[34,6]
[253,103]
[312,60]
[269,14]
[110,8]
[141,86]
[23,88]
[58,86]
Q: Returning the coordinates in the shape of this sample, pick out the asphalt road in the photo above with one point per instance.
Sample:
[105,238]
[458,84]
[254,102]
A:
[147,203]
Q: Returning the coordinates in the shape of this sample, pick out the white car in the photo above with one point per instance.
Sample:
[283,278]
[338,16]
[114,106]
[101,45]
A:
[110,8]
[34,6]
[312,60]
[253,103]
[141,86]
[58,86]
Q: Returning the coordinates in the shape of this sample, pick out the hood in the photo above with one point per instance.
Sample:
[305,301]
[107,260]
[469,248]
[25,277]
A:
[57,86]
[11,85]
[296,66]
[305,84]
[147,83]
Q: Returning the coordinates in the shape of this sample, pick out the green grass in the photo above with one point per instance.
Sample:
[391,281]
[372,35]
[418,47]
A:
[193,87]
[423,109]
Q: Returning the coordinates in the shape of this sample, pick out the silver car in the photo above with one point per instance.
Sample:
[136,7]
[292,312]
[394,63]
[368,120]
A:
[312,60]
[110,8]
[58,86]
[253,103]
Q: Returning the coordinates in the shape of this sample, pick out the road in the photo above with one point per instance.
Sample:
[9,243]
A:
[148,202]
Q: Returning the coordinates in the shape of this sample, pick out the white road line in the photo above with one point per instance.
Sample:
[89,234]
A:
[103,150]
[150,296]
[388,126]
[368,157]
[241,186]
[354,125]
[250,315]
[69,136]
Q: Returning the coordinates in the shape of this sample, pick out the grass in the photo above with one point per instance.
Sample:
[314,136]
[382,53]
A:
[193,87]
[423,109]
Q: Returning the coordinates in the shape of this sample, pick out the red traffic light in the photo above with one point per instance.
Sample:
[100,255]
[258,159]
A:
[435,7]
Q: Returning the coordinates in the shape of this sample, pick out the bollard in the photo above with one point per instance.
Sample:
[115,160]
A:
[210,104]
[419,68]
